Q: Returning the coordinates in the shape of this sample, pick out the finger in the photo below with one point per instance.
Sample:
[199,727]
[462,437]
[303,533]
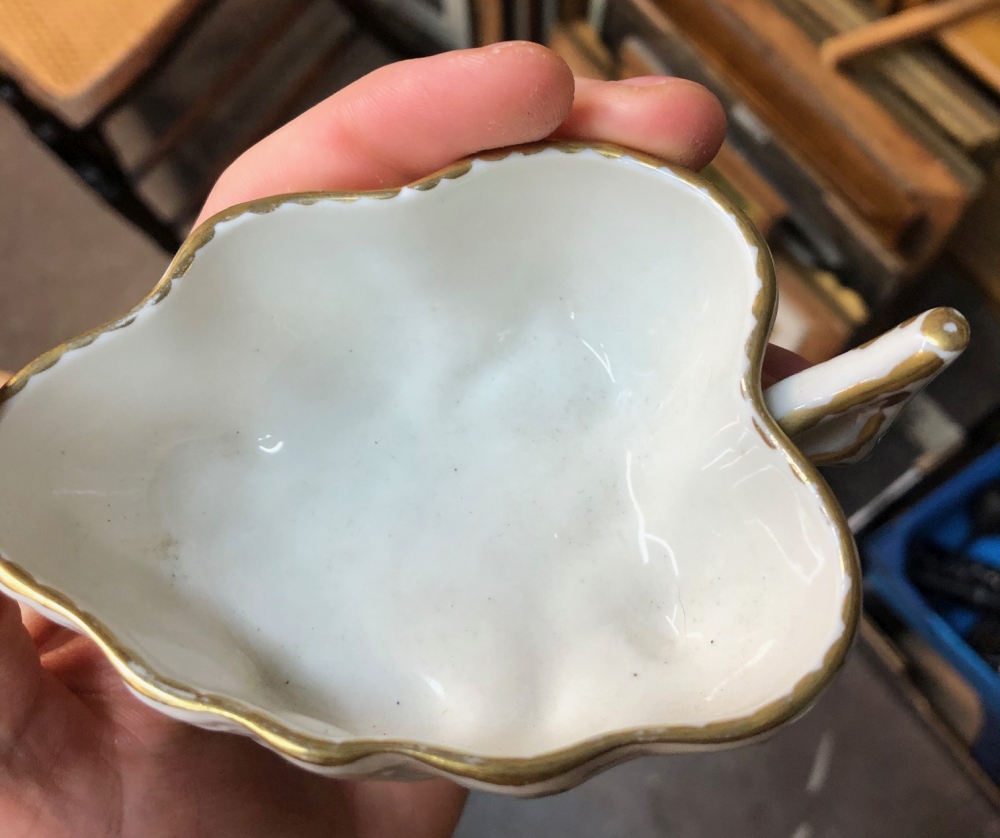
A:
[780,363]
[671,118]
[54,769]
[78,664]
[427,809]
[44,633]
[406,120]
[20,674]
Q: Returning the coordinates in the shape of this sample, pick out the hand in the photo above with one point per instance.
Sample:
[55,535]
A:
[79,756]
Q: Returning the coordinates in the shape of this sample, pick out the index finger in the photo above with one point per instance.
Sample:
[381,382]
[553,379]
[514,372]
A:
[406,120]
[409,119]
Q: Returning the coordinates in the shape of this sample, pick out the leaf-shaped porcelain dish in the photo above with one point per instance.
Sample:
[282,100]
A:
[472,478]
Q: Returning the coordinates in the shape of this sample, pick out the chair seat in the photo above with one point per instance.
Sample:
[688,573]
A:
[976,43]
[74,57]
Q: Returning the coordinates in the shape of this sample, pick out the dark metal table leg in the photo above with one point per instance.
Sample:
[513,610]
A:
[86,152]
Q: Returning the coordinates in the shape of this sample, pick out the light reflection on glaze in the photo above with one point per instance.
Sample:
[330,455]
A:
[759,656]
[266,444]
[643,536]
[602,358]
[435,686]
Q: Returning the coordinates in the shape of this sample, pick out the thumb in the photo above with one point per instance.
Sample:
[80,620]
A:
[20,677]
[20,669]
[780,363]
[57,768]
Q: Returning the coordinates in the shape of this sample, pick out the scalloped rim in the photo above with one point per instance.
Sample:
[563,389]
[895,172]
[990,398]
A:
[574,762]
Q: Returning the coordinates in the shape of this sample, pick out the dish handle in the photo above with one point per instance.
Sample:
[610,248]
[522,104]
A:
[836,411]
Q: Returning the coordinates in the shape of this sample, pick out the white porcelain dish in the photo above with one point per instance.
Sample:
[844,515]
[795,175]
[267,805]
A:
[472,478]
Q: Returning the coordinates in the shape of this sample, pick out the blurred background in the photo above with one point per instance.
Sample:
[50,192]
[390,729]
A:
[864,142]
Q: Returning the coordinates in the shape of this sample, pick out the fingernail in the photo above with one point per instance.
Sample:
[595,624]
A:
[644,81]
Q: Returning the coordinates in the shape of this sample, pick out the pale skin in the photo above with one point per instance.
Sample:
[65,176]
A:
[79,756]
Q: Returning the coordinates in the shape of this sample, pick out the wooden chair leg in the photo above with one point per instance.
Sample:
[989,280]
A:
[88,154]
[284,110]
[400,36]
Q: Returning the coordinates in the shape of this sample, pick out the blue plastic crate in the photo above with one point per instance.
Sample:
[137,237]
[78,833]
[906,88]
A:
[942,517]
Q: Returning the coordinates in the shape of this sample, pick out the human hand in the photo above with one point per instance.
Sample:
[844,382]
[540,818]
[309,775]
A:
[79,756]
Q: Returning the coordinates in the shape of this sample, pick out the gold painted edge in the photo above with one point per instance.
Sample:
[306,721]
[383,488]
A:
[497,771]
[869,432]
[913,370]
[934,329]
[910,371]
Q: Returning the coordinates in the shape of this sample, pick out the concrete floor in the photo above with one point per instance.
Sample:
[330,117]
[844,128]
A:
[67,263]
[860,764]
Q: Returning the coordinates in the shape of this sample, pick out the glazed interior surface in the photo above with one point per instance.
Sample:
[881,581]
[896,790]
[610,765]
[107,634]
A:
[469,467]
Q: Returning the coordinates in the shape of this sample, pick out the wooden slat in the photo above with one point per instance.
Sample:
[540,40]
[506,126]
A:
[487,17]
[807,322]
[903,109]
[635,58]
[188,121]
[580,47]
[976,242]
[908,196]
[909,25]
[928,133]
[75,57]
[976,43]
[573,9]
[954,104]
[754,195]
[281,112]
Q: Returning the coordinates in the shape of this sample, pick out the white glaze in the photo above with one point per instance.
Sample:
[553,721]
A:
[816,388]
[469,467]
